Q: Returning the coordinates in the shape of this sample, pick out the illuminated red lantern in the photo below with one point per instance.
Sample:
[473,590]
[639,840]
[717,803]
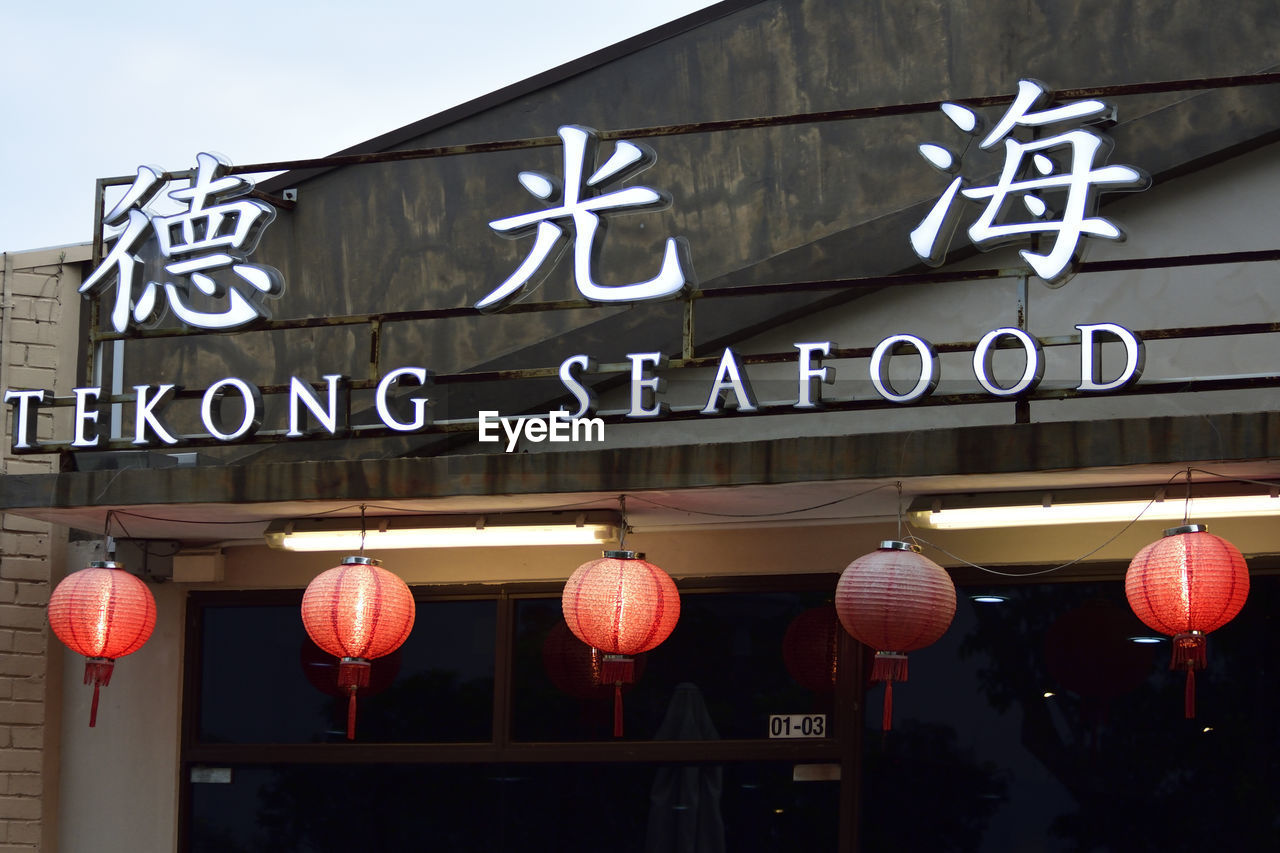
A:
[810,649]
[895,600]
[622,605]
[103,613]
[1187,584]
[357,612]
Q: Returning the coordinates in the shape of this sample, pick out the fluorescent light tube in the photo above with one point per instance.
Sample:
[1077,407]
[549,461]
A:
[444,532]
[1056,511]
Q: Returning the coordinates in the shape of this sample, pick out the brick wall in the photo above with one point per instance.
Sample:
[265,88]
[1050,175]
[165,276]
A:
[39,351]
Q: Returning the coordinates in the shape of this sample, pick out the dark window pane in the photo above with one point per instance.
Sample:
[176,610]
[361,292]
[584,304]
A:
[628,808]
[731,651]
[1107,762]
[264,681]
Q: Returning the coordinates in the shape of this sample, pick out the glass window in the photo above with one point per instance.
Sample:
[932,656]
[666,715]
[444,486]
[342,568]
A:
[1038,723]
[264,681]
[428,768]
[732,661]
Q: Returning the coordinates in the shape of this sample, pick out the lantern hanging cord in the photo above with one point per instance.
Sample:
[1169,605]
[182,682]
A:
[622,531]
[774,514]
[1186,505]
[108,544]
[1051,569]
[1232,479]
[909,533]
[364,529]
[899,487]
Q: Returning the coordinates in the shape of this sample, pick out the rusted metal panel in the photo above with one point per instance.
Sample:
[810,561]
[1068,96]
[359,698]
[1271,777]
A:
[748,123]
[780,171]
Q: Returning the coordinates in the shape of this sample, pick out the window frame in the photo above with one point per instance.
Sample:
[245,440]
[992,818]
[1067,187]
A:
[842,746]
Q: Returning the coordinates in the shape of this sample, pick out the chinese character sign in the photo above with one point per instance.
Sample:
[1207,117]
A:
[1048,186]
[204,247]
[579,218]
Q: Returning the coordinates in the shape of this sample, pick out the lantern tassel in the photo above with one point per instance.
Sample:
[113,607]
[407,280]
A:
[617,669]
[886,720]
[889,667]
[97,671]
[620,670]
[1189,653]
[353,673]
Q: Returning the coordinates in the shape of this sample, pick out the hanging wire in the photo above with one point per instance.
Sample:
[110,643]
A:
[775,514]
[910,533]
[109,544]
[363,529]
[899,487]
[1065,565]
[622,533]
[1186,506]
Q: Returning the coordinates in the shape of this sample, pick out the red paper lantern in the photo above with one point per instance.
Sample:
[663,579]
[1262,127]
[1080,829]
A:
[1187,584]
[356,612]
[622,605]
[103,613]
[810,649]
[895,600]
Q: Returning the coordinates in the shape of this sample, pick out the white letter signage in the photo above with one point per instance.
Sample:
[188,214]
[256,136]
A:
[645,389]
[812,378]
[204,247]
[1034,194]
[211,409]
[84,417]
[331,417]
[585,398]
[1031,374]
[580,217]
[24,426]
[1135,355]
[145,414]
[929,374]
[396,379]
[729,378]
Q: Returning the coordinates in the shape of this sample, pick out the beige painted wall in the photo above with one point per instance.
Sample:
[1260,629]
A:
[119,784]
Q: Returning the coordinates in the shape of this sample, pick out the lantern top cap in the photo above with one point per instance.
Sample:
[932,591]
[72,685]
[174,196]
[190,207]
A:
[360,561]
[624,555]
[898,545]
[105,564]
[1187,528]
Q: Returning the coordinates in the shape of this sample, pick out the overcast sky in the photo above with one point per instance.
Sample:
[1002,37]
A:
[93,89]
